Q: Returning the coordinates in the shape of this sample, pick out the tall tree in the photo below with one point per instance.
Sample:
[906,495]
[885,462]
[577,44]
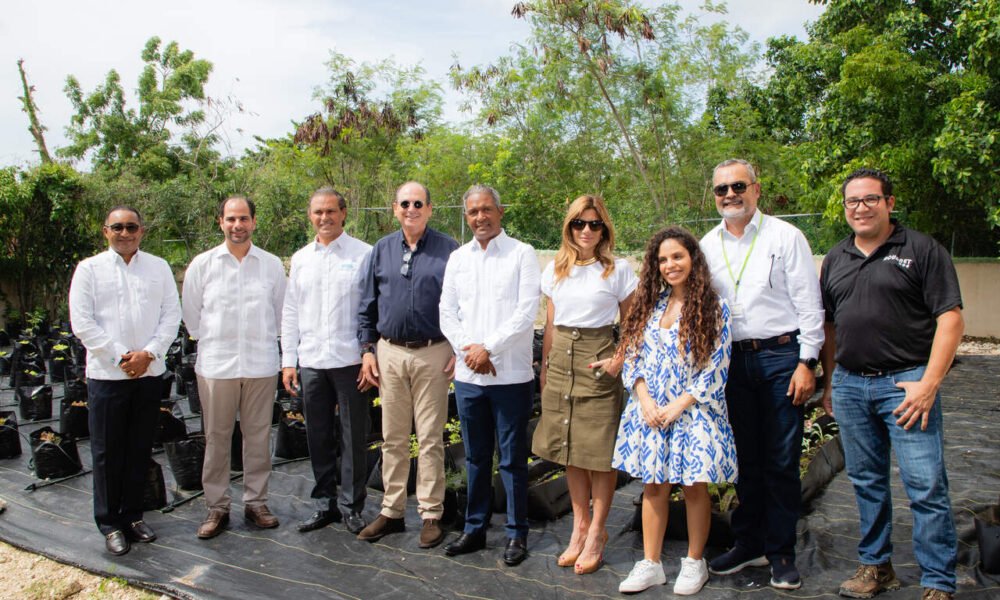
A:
[28,105]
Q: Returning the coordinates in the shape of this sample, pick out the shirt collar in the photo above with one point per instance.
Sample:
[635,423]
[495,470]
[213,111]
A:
[336,244]
[499,242]
[755,224]
[116,258]
[222,251]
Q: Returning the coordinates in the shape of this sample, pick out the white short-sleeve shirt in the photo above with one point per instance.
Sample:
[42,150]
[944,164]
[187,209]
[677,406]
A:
[586,299]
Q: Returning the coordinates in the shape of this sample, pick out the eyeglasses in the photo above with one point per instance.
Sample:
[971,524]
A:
[871,201]
[405,204]
[120,227]
[407,260]
[723,188]
[579,224]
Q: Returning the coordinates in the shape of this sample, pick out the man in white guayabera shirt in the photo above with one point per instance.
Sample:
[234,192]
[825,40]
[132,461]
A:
[123,306]
[319,332]
[232,306]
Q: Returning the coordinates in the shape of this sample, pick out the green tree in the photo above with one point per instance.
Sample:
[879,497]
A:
[141,139]
[910,87]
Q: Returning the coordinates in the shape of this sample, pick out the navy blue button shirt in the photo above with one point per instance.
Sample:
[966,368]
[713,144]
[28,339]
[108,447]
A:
[404,308]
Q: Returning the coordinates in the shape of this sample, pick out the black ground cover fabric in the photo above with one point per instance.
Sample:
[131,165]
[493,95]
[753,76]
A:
[245,563]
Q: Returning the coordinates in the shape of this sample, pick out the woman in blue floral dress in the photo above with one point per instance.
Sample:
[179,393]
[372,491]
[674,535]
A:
[675,428]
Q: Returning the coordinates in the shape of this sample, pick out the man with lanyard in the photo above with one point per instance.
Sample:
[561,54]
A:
[123,306]
[319,333]
[893,323]
[764,267]
[232,306]
[488,308]
[411,363]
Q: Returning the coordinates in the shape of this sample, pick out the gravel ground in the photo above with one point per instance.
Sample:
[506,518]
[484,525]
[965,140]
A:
[26,576]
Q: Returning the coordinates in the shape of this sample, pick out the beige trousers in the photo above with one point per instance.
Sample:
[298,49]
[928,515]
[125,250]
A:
[221,400]
[414,390]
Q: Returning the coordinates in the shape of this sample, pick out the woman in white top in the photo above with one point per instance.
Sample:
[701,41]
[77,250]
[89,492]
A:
[585,288]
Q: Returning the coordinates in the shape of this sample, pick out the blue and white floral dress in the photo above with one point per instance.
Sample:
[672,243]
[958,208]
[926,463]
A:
[699,445]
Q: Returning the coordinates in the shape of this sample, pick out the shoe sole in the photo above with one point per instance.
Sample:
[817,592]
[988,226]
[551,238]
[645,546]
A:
[218,530]
[622,590]
[889,587]
[258,526]
[378,536]
[760,561]
[690,591]
[431,544]
[785,585]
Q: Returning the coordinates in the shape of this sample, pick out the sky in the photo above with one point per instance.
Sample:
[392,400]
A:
[269,54]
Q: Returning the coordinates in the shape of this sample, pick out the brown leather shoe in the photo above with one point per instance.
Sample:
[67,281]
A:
[430,534]
[380,527]
[936,594]
[260,516]
[213,524]
[870,580]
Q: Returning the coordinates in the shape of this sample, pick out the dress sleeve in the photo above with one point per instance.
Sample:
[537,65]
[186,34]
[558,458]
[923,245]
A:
[708,384]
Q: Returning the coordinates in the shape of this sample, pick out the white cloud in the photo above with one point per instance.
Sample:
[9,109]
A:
[267,53]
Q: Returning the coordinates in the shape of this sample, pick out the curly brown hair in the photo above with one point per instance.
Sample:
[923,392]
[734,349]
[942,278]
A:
[701,315]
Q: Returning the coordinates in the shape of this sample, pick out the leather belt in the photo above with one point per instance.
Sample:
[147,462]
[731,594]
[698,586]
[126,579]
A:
[771,342]
[886,373]
[416,343]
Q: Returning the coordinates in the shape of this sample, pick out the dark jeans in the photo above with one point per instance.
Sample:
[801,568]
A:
[768,432]
[122,423]
[324,390]
[503,409]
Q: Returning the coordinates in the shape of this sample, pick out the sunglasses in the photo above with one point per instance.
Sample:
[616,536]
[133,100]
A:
[738,188]
[407,259]
[579,224]
[120,227]
[417,204]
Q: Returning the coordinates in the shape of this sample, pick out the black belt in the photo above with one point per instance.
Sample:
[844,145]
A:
[885,373]
[416,343]
[771,342]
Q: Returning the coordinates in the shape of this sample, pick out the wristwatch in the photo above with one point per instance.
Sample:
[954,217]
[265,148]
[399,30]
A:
[809,362]
[366,348]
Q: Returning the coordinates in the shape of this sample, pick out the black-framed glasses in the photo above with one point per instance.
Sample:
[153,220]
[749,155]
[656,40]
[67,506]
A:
[120,227]
[723,188]
[579,224]
[405,204]
[871,201]
[405,270]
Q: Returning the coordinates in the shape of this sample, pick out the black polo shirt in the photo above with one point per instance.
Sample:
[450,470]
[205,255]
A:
[885,306]
[398,307]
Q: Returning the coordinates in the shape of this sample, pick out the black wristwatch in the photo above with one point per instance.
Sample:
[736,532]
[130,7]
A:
[809,362]
[366,348]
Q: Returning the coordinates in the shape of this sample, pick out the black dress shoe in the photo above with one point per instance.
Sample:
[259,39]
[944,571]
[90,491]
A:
[354,522]
[466,543]
[140,532]
[516,551]
[117,543]
[321,518]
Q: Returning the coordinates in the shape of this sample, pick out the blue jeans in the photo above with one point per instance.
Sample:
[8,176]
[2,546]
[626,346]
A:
[502,411]
[868,430]
[768,433]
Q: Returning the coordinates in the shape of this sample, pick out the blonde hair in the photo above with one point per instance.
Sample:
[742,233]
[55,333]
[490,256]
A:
[569,252]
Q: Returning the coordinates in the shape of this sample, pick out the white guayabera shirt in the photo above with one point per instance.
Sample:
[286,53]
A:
[490,297]
[319,325]
[233,309]
[116,308]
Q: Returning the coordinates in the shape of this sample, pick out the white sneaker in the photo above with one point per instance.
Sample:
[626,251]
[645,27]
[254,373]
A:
[693,575]
[644,575]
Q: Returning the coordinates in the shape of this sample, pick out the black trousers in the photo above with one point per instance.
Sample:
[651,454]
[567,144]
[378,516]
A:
[324,390]
[122,420]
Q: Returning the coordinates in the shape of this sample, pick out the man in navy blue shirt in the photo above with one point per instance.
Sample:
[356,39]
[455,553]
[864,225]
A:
[405,354]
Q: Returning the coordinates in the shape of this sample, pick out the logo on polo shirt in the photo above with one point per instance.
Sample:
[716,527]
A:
[902,263]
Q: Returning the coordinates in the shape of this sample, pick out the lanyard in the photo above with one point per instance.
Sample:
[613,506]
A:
[746,259]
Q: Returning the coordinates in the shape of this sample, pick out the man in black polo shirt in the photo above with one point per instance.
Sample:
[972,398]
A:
[412,362]
[893,323]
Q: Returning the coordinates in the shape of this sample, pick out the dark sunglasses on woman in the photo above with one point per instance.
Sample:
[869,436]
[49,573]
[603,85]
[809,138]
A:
[579,224]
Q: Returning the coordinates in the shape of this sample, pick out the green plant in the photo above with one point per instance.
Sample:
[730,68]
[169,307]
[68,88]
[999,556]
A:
[454,429]
[454,479]
[723,496]
[377,401]
[414,446]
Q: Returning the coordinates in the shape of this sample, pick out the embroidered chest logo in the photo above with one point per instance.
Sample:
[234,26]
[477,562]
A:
[902,263]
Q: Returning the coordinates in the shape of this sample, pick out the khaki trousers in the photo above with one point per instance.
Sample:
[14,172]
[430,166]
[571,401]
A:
[221,400]
[414,390]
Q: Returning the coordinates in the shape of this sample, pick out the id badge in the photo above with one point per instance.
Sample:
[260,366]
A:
[737,310]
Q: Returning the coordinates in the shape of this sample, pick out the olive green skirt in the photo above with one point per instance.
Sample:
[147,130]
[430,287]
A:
[581,407]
